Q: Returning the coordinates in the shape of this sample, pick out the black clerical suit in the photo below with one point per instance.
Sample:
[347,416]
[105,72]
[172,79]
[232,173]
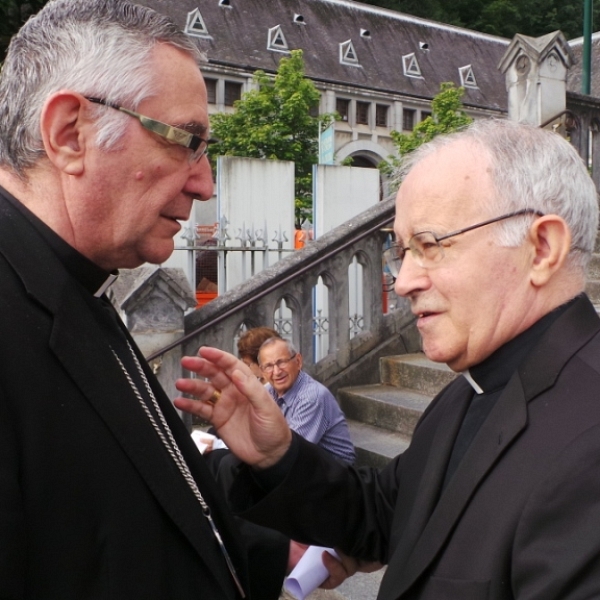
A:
[92,506]
[518,518]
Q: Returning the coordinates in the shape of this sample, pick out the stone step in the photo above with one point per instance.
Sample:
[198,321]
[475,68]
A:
[382,417]
[384,406]
[415,372]
[375,447]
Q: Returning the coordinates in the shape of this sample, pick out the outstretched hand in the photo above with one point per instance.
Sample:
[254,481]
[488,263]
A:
[242,411]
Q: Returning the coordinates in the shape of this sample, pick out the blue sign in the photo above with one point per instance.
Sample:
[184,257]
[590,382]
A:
[327,146]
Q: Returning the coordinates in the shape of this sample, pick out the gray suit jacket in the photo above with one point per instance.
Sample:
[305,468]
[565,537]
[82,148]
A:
[519,519]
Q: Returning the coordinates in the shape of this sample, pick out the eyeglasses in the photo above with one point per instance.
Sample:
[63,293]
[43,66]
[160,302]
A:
[280,364]
[425,246]
[176,135]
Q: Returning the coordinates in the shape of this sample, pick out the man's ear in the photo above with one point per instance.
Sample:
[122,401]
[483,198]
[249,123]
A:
[64,127]
[551,240]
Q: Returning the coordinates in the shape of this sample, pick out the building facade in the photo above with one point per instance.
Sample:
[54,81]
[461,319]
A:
[377,68]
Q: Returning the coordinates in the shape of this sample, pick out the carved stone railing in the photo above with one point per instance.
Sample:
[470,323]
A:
[583,129]
[352,357]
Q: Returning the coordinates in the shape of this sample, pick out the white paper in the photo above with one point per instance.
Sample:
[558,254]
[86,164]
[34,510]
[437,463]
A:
[203,440]
[309,573]
[207,441]
[219,444]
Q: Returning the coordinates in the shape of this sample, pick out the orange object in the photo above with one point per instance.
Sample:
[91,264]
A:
[203,298]
[299,239]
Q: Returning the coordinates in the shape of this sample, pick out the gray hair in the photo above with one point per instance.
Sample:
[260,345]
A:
[530,168]
[273,340]
[97,48]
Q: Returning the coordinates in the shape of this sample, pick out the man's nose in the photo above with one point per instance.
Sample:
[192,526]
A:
[200,183]
[411,277]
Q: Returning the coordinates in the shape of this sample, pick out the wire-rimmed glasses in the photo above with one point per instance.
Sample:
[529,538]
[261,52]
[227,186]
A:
[280,364]
[426,248]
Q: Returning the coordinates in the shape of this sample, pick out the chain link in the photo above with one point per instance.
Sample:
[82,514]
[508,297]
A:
[172,448]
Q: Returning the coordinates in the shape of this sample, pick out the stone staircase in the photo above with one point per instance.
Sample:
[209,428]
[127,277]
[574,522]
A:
[383,416]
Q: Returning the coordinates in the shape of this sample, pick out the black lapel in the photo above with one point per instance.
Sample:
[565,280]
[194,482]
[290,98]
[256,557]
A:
[505,422]
[112,399]
[456,398]
[75,337]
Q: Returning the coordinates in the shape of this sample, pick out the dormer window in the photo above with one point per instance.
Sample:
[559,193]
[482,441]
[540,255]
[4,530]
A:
[195,25]
[299,19]
[365,33]
[348,54]
[467,77]
[225,3]
[277,41]
[411,66]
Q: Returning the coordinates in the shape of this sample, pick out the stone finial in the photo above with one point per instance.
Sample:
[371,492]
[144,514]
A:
[536,77]
[153,302]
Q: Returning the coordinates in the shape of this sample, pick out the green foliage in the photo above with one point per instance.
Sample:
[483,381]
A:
[447,115]
[274,121]
[500,17]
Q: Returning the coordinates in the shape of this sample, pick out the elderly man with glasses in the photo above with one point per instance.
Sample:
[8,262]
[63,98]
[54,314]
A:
[498,495]
[103,136]
[307,405]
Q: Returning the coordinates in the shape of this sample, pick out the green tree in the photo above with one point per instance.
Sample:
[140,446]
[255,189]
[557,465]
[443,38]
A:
[274,121]
[447,115]
[13,13]
[500,17]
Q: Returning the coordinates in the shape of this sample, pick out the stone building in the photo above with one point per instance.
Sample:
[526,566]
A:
[378,68]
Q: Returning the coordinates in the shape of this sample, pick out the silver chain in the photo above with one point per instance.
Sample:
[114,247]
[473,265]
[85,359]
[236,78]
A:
[172,448]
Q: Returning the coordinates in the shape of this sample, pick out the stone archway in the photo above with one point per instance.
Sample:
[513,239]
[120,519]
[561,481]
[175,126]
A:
[365,162]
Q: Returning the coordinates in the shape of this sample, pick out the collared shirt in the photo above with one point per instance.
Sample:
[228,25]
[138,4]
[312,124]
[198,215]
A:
[311,411]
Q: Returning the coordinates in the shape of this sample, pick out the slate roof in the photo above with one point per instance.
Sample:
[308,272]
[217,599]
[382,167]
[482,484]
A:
[239,33]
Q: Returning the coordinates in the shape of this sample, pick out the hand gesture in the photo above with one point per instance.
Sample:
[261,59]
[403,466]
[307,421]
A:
[237,405]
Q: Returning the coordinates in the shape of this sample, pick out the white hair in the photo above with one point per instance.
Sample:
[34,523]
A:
[530,168]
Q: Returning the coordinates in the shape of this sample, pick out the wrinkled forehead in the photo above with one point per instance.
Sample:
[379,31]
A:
[447,189]
[273,351]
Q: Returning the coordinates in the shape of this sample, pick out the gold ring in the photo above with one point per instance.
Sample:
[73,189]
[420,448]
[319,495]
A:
[214,398]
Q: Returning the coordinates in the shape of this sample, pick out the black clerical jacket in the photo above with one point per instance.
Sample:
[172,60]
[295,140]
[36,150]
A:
[91,504]
[520,517]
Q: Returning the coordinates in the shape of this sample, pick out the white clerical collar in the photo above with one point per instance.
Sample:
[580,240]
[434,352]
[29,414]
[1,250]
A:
[474,384]
[107,283]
